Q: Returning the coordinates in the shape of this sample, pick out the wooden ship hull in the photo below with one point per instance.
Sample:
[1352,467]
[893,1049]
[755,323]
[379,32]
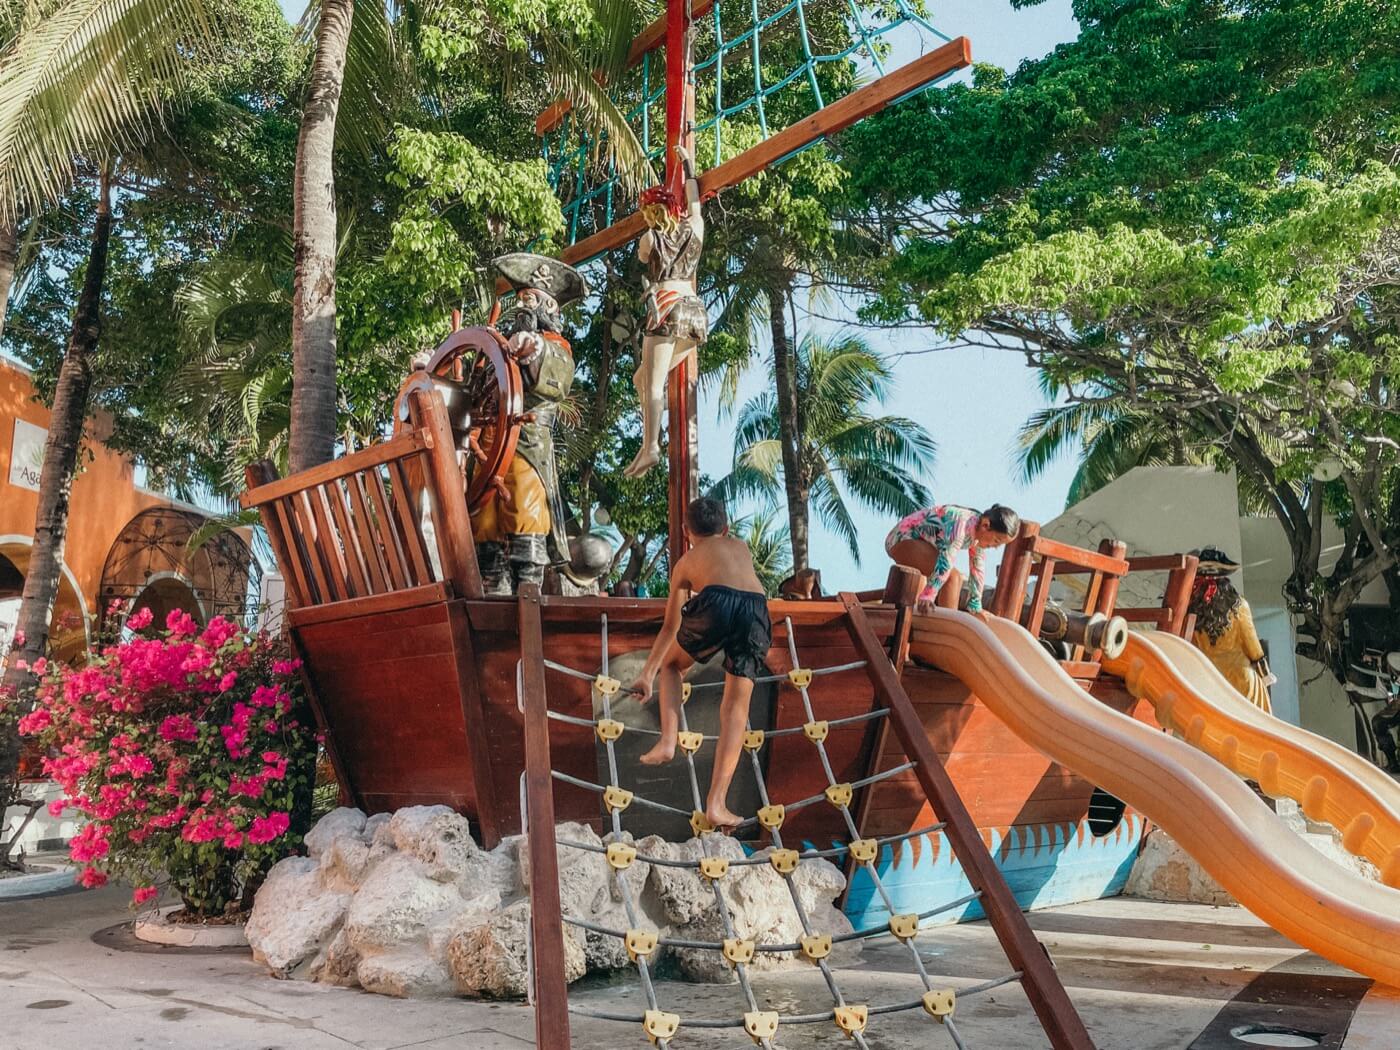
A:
[413,675]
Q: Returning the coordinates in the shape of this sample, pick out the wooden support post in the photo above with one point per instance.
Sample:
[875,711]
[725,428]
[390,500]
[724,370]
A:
[546,918]
[455,541]
[1015,572]
[683,448]
[1178,596]
[1042,986]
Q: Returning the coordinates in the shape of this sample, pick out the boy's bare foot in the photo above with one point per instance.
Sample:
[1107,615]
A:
[659,755]
[647,458]
[722,819]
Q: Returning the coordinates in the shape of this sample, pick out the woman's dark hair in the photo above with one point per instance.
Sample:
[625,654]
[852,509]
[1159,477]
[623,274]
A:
[1213,603]
[706,516]
[1002,519]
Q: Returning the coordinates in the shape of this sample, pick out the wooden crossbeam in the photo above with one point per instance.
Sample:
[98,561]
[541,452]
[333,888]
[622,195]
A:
[836,117]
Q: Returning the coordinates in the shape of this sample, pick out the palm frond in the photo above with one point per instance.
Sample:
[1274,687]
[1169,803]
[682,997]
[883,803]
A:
[84,77]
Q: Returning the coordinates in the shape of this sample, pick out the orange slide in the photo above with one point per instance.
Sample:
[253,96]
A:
[1332,783]
[1196,800]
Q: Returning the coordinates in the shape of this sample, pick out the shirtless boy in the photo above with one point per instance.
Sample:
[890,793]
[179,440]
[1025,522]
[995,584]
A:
[728,612]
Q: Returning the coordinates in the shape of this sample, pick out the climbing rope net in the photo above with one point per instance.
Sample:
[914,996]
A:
[767,64]
[851,1018]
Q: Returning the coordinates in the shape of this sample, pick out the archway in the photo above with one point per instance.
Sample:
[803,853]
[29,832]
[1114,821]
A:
[152,566]
[69,624]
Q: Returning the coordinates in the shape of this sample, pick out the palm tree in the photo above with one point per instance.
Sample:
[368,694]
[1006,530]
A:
[770,545]
[356,64]
[839,447]
[1112,434]
[80,79]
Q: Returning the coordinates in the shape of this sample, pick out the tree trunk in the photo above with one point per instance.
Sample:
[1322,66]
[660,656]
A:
[789,433]
[9,257]
[314,246]
[65,437]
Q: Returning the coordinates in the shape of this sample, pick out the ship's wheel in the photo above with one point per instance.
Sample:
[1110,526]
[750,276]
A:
[479,382]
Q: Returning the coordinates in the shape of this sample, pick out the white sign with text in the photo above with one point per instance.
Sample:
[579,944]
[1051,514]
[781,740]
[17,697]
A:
[27,455]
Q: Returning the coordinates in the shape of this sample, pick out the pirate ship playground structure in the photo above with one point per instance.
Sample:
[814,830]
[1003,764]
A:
[936,758]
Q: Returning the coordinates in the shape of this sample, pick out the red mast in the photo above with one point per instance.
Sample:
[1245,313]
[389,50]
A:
[682,445]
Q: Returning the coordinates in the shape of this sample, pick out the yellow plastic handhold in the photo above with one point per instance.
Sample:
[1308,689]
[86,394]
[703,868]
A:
[771,817]
[753,739]
[816,945]
[609,729]
[640,943]
[621,855]
[616,799]
[851,1019]
[839,795]
[607,686]
[905,927]
[784,861]
[714,867]
[801,677]
[940,1003]
[737,950]
[658,1025]
[816,731]
[699,823]
[761,1024]
[685,691]
[863,851]
[689,742]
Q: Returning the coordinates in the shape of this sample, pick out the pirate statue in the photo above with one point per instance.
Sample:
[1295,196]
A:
[520,528]
[675,317]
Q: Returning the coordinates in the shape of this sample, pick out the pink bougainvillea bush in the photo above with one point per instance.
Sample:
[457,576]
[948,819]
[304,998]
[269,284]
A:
[182,752]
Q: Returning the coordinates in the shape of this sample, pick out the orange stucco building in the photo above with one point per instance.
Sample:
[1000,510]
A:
[124,541]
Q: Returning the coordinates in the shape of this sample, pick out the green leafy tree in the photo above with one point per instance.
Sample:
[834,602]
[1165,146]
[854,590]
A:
[842,449]
[1192,213]
[770,546]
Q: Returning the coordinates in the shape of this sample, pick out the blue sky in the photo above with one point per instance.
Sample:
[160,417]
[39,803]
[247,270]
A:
[971,401]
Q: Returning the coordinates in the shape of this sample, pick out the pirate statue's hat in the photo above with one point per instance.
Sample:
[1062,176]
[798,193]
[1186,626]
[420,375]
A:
[558,280]
[1214,562]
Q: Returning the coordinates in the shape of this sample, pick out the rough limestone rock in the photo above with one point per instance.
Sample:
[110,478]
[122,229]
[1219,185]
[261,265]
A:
[337,824]
[409,905]
[293,915]
[397,902]
[1164,871]
[489,960]
[759,903]
[404,974]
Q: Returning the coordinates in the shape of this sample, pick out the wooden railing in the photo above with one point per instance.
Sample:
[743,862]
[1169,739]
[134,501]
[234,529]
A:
[353,529]
[1032,554]
[1171,616]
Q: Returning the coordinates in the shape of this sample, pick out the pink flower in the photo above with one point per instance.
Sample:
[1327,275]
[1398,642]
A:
[228,681]
[57,806]
[35,722]
[40,666]
[140,619]
[143,893]
[90,843]
[267,828]
[92,878]
[178,727]
[286,666]
[233,839]
[181,624]
[18,638]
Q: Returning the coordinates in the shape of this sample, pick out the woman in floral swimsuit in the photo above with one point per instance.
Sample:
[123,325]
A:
[947,529]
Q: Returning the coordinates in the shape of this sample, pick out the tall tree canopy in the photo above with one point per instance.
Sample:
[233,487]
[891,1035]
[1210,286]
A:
[1192,210]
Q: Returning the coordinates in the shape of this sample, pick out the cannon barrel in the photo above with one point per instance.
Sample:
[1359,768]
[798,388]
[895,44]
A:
[1095,631]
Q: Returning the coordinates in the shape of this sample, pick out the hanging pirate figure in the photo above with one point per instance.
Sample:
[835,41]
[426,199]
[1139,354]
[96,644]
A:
[675,322]
[520,528]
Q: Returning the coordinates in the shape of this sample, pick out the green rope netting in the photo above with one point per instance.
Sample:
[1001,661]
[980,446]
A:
[760,65]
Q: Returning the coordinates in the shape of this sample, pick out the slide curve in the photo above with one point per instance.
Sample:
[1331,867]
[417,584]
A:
[1200,803]
[1333,784]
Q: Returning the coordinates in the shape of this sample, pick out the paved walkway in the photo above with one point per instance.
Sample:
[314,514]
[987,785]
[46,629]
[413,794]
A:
[1145,976]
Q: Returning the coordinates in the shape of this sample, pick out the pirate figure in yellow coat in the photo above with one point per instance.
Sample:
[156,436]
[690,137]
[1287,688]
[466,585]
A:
[520,528]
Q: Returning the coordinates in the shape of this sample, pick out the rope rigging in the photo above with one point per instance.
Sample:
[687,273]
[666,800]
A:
[786,65]
[660,1027]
